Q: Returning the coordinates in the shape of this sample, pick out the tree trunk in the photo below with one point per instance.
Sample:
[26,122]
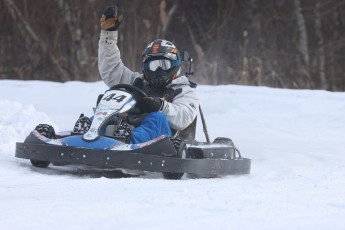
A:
[27,32]
[303,36]
[165,17]
[321,48]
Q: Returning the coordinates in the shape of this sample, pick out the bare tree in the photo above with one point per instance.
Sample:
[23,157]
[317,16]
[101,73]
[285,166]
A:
[33,40]
[303,35]
[295,44]
[321,47]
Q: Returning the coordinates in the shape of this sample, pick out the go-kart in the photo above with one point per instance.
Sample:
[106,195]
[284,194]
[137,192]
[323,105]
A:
[171,156]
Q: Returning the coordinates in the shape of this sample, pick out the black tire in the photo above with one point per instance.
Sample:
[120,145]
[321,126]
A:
[229,142]
[49,132]
[40,164]
[223,140]
[181,149]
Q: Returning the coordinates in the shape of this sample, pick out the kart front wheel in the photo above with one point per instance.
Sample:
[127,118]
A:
[49,132]
[40,164]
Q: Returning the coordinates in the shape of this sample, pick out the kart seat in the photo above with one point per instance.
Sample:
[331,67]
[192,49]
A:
[188,134]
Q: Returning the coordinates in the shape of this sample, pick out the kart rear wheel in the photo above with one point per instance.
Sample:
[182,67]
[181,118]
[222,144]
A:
[223,140]
[181,149]
[49,132]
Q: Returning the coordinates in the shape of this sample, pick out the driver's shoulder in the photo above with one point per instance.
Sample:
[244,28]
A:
[181,80]
[182,83]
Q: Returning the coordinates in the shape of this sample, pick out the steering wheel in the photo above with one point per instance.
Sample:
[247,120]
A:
[135,91]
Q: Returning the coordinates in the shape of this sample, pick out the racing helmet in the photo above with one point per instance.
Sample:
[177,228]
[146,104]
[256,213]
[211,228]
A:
[161,63]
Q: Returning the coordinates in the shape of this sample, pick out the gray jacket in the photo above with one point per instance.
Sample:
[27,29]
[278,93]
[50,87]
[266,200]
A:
[180,112]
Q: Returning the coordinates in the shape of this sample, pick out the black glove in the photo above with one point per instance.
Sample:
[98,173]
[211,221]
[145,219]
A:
[123,131]
[109,20]
[82,125]
[149,104]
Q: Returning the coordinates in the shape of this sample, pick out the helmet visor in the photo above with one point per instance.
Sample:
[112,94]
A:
[164,64]
[170,56]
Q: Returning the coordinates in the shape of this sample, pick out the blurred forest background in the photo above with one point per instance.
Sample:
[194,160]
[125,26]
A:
[277,43]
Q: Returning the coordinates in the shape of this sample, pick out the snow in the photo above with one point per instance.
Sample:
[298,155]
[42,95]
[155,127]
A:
[295,139]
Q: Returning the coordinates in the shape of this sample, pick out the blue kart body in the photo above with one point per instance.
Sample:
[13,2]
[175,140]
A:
[100,149]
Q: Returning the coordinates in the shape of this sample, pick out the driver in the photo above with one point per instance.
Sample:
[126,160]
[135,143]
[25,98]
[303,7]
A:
[172,102]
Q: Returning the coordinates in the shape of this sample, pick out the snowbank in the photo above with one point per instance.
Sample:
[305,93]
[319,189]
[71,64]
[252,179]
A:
[295,139]
[16,121]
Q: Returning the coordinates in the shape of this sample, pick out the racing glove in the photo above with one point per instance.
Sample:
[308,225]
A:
[123,131]
[149,104]
[82,125]
[110,21]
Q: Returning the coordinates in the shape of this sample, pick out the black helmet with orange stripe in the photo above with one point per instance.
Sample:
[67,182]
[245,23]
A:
[161,63]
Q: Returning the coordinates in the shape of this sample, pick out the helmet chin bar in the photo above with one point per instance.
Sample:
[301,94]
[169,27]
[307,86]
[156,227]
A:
[159,82]
[161,78]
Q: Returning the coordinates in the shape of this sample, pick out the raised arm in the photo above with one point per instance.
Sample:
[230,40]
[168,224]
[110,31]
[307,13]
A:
[110,65]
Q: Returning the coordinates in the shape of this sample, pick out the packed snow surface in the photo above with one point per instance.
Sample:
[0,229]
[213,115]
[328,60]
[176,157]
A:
[295,138]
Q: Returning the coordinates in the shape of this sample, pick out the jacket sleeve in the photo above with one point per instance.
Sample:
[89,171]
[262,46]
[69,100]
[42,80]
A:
[183,110]
[110,65]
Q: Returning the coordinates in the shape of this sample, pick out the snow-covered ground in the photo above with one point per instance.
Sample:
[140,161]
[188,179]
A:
[295,138]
